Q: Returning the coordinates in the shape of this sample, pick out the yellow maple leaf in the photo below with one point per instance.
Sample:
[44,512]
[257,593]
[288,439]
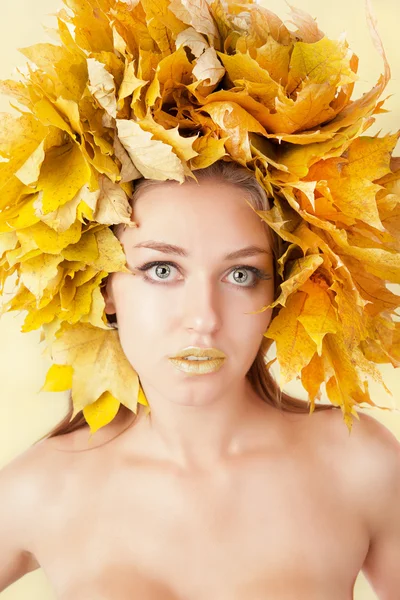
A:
[297,275]
[111,254]
[36,318]
[81,303]
[312,376]
[18,90]
[162,24]
[27,249]
[53,242]
[92,28]
[319,315]
[274,58]
[64,164]
[209,149]
[374,290]
[30,170]
[20,137]
[182,146]
[70,109]
[8,241]
[236,124]
[46,112]
[378,261]
[96,316]
[356,197]
[40,273]
[369,157]
[58,379]
[243,67]
[311,106]
[85,249]
[88,349]
[172,70]
[299,158]
[101,412]
[325,61]
[344,386]
[65,216]
[21,300]
[285,222]
[294,347]
[130,84]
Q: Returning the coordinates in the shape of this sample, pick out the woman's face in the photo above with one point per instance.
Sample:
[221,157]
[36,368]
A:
[200,299]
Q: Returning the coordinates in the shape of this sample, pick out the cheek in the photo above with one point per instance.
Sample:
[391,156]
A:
[136,302]
[255,323]
[143,319]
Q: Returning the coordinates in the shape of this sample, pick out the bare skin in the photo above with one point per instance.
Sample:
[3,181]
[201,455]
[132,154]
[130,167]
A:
[216,496]
[285,519]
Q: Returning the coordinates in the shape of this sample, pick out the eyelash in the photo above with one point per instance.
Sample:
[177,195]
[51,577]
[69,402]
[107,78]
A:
[260,275]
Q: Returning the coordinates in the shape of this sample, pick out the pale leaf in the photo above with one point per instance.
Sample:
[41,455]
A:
[102,86]
[112,205]
[192,39]
[208,68]
[29,172]
[153,158]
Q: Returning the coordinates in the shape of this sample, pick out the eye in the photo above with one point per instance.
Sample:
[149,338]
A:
[241,276]
[240,273]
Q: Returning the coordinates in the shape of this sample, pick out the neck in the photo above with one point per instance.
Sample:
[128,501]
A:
[201,437]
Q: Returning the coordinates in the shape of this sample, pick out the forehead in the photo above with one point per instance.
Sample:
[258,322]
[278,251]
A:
[191,212]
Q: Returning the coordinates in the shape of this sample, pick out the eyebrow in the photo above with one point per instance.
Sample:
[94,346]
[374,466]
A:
[172,249]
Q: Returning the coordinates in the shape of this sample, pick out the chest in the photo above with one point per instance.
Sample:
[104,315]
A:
[264,528]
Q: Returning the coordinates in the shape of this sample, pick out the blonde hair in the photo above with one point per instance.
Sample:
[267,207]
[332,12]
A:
[259,376]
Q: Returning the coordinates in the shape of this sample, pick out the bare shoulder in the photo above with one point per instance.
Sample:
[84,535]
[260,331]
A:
[24,474]
[372,445]
[368,458]
[31,478]
[22,490]
[32,484]
[379,458]
[366,433]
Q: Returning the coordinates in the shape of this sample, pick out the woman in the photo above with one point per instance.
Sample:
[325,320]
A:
[205,131]
[222,491]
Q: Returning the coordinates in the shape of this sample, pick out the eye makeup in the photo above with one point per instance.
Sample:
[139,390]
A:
[259,274]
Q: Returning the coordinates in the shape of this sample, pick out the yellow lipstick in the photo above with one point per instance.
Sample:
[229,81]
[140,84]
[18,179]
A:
[198,367]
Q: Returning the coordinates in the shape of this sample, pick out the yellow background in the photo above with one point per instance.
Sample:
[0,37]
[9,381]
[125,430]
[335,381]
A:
[26,414]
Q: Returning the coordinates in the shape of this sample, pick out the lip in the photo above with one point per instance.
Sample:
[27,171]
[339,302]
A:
[200,352]
[197,367]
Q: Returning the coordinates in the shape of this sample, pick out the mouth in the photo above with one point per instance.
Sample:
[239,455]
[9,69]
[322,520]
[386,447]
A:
[198,366]
[195,353]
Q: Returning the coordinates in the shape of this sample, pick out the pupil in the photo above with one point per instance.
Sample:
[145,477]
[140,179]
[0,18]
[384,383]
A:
[162,274]
[244,277]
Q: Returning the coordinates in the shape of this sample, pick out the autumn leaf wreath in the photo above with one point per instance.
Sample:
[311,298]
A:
[138,88]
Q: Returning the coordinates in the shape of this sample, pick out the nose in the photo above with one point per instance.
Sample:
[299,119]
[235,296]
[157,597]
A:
[201,311]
